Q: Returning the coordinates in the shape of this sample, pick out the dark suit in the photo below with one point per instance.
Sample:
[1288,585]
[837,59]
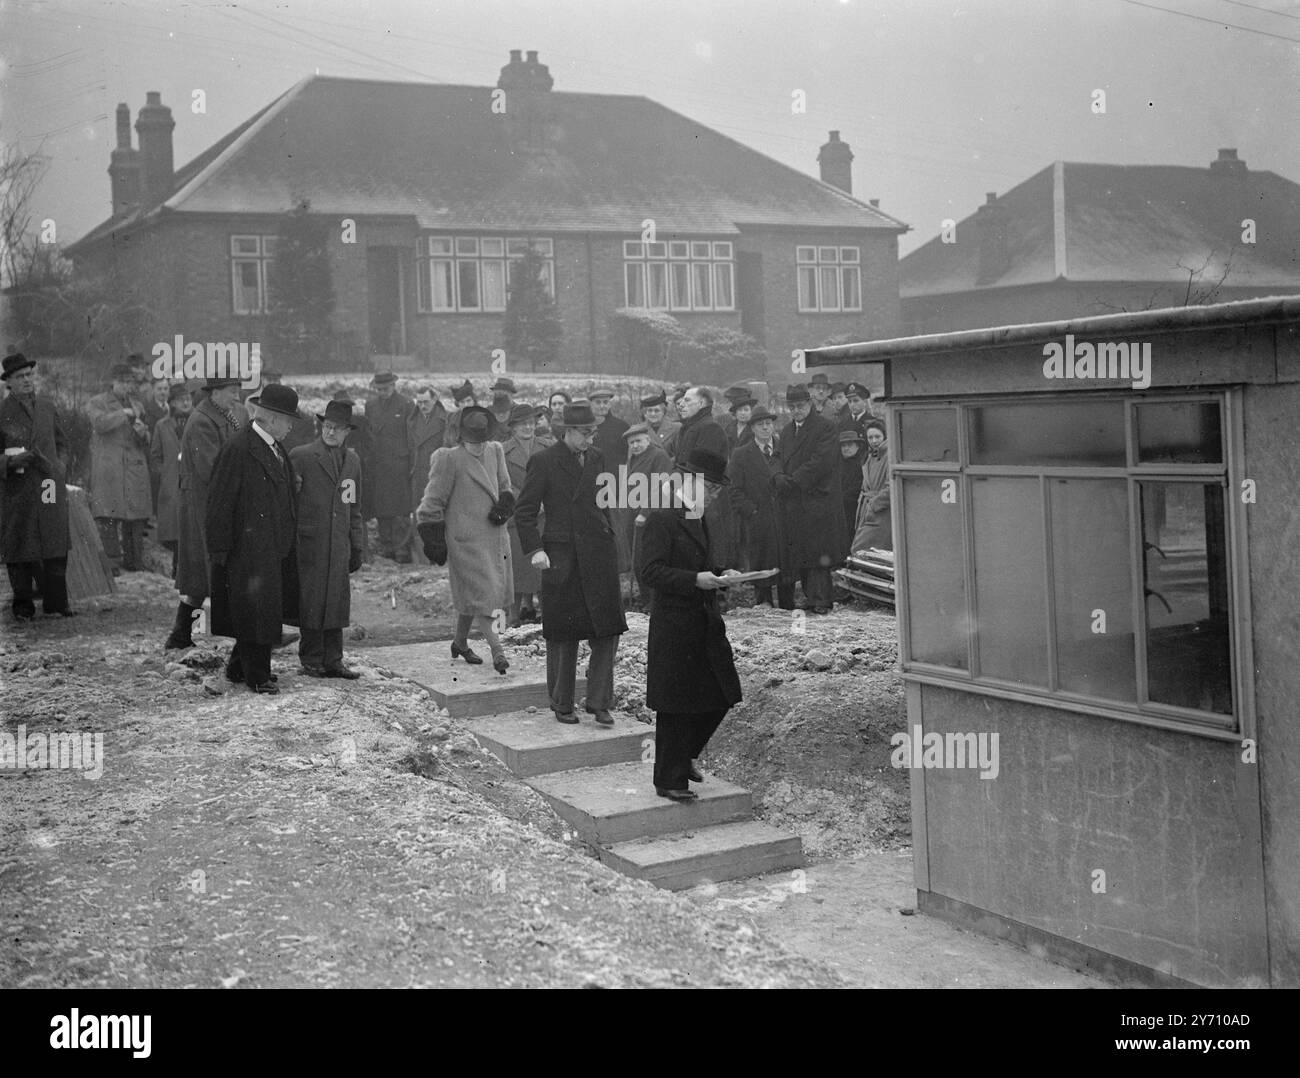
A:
[703,431]
[691,677]
[754,503]
[252,536]
[207,430]
[388,473]
[809,505]
[581,599]
[611,443]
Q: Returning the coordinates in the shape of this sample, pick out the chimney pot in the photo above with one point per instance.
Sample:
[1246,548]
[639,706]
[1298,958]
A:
[835,136]
[836,162]
[1229,164]
[516,56]
[532,56]
[123,126]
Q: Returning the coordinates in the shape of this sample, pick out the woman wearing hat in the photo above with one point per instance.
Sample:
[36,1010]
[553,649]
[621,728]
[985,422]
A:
[691,678]
[522,444]
[852,459]
[461,519]
[874,517]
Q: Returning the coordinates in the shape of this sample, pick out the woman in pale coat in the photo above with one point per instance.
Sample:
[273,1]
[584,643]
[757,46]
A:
[461,520]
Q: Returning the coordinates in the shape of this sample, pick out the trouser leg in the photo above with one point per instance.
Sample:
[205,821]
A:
[817,587]
[332,643]
[401,531]
[111,539]
[133,552]
[703,727]
[311,647]
[54,591]
[673,742]
[21,577]
[256,660]
[561,673]
[600,673]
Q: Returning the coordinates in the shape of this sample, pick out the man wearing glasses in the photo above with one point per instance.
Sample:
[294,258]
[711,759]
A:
[578,556]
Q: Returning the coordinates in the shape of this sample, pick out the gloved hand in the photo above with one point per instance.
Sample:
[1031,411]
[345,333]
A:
[503,509]
[20,460]
[354,561]
[433,534]
[785,486]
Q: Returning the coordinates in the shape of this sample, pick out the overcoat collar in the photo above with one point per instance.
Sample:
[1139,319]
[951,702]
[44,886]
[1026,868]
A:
[482,470]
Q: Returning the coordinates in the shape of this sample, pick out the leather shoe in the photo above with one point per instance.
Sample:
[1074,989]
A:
[342,672]
[602,716]
[465,652]
[314,671]
[695,774]
[566,717]
[677,795]
[500,664]
[268,688]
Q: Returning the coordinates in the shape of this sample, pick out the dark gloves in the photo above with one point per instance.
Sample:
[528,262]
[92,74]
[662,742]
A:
[503,509]
[354,561]
[785,486]
[434,537]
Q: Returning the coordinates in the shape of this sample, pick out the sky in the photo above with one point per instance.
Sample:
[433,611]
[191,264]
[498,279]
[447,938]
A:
[941,100]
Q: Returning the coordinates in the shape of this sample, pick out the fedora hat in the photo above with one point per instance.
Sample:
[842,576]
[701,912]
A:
[579,414]
[820,379]
[276,398]
[522,412]
[706,463]
[757,414]
[15,363]
[796,394]
[503,385]
[742,402]
[178,389]
[220,383]
[600,391]
[339,411]
[475,423]
[384,378]
[121,372]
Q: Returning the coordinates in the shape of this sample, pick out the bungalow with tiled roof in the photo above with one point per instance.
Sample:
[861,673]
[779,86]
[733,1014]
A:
[1077,240]
[631,204]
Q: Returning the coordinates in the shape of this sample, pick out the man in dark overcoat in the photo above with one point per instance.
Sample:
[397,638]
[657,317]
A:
[610,429]
[578,554]
[211,424]
[329,541]
[252,534]
[691,677]
[808,501]
[753,500]
[700,430]
[34,504]
[120,498]
[388,466]
[165,462]
[425,431]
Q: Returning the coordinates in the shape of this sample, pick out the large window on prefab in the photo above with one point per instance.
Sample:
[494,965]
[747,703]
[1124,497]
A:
[472,273]
[1078,551]
[679,275]
[250,259]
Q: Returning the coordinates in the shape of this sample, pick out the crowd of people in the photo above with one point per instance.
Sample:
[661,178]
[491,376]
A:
[264,509]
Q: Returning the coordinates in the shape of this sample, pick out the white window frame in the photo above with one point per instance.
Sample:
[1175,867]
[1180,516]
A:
[705,263]
[458,253]
[846,265]
[259,250]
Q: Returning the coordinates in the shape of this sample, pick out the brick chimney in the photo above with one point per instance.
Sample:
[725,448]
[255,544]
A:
[1228,164]
[528,112]
[154,125]
[991,221]
[836,161]
[124,166]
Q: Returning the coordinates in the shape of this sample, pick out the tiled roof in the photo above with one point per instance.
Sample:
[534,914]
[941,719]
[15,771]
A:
[439,153]
[1083,222]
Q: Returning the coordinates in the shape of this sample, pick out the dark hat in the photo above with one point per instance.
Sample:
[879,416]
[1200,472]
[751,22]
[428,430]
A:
[820,379]
[874,423]
[706,463]
[736,393]
[600,391]
[464,391]
[15,363]
[279,399]
[475,423]
[849,436]
[857,389]
[178,389]
[220,383]
[579,414]
[650,402]
[796,394]
[338,411]
[384,378]
[837,387]
[638,428]
[121,370]
[271,377]
[505,385]
[521,412]
[759,413]
[741,402]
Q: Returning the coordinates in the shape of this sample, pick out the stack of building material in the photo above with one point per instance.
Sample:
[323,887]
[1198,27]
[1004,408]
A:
[869,575]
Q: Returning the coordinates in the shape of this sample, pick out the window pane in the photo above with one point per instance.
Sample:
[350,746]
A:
[494,248]
[422,283]
[243,245]
[936,574]
[548,278]
[849,254]
[1185,585]
[1183,432]
[830,285]
[657,285]
[545,247]
[634,279]
[805,254]
[852,294]
[494,286]
[1060,433]
[722,250]
[466,245]
[467,278]
[680,281]
[658,249]
[928,434]
[441,298]
[1093,581]
[1010,601]
[516,246]
[270,244]
[807,288]
[828,254]
[245,287]
[722,294]
[678,248]
[700,250]
[702,273]
[439,245]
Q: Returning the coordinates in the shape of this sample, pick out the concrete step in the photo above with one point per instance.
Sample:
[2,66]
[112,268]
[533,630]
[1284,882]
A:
[617,803]
[469,691]
[728,851]
[533,743]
